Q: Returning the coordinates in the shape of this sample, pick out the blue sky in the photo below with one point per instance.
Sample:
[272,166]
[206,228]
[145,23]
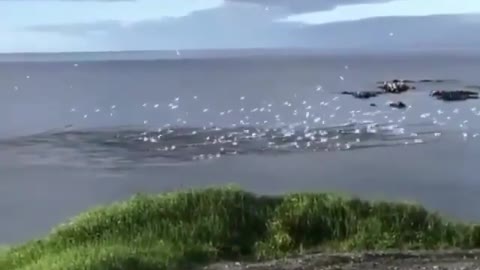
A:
[22,13]
[89,25]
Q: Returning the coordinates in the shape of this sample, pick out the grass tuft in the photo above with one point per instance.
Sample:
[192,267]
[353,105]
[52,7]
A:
[179,230]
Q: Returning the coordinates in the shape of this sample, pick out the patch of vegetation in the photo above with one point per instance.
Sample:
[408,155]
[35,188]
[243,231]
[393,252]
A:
[3,250]
[183,229]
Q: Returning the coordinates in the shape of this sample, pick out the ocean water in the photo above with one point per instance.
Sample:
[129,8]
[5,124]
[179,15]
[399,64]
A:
[74,134]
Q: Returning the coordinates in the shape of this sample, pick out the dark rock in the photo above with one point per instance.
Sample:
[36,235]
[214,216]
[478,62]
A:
[362,94]
[398,105]
[455,95]
[395,86]
[373,105]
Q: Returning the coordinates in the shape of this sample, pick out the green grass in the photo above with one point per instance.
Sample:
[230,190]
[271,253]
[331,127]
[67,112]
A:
[3,250]
[181,229]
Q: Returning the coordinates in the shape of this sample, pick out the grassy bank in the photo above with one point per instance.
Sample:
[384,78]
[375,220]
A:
[176,230]
[3,250]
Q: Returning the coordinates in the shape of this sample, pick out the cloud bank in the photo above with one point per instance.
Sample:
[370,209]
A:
[255,24]
[303,6]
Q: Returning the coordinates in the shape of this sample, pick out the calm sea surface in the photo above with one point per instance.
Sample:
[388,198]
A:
[74,134]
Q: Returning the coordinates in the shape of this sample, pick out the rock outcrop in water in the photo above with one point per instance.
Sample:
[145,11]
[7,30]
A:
[395,86]
[400,86]
[456,95]
[398,105]
[362,94]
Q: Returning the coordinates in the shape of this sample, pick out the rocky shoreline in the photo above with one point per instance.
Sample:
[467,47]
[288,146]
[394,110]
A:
[392,260]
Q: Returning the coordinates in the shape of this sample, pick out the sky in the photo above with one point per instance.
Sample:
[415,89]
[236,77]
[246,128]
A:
[116,25]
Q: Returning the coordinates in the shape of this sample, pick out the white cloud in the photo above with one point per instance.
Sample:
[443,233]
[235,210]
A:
[397,8]
[43,42]
[232,26]
[302,6]
[245,24]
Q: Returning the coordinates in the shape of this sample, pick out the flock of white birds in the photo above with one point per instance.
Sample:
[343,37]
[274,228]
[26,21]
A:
[315,124]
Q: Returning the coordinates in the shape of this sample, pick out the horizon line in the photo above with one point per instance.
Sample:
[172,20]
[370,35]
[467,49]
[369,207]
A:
[294,48]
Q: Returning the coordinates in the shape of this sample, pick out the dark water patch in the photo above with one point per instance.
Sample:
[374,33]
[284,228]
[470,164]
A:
[422,81]
[474,87]
[438,81]
[126,147]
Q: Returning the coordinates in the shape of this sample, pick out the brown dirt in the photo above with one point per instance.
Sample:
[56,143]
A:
[393,260]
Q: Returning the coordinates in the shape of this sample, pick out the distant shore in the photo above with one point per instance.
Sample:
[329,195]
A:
[194,228]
